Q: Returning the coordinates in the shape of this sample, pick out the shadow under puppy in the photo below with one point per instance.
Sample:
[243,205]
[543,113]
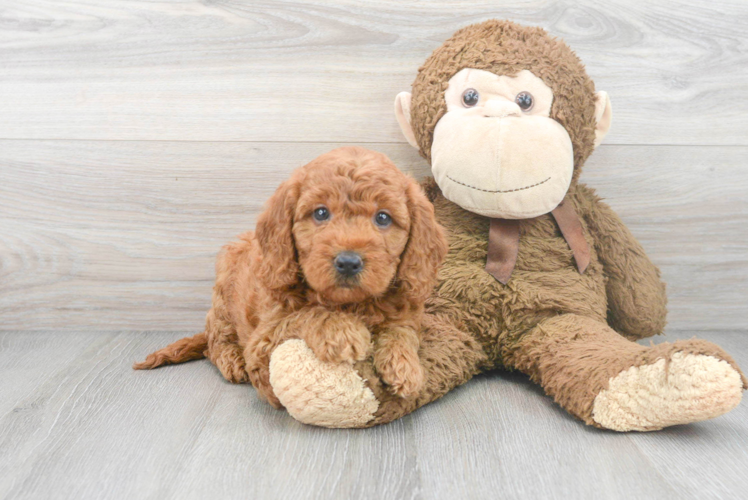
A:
[343,257]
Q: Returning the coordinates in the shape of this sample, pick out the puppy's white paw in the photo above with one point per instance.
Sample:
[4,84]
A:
[691,388]
[317,393]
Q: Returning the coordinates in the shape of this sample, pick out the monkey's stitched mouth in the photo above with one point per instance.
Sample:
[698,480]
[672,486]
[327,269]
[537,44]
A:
[498,190]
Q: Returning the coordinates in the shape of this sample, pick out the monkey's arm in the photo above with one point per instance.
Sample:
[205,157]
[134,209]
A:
[636,295]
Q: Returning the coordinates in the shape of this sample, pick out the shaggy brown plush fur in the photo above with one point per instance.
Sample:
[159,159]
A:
[281,282]
[567,330]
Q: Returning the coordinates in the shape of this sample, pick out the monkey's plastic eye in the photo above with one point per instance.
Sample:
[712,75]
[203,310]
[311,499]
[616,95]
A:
[321,214]
[382,219]
[524,100]
[470,98]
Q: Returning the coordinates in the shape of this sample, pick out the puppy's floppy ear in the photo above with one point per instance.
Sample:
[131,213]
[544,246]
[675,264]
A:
[426,247]
[280,268]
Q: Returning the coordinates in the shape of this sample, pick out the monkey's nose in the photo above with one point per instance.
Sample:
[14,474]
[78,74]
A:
[499,108]
[348,264]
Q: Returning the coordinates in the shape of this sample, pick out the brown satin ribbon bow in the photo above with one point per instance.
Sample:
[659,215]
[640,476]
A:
[503,242]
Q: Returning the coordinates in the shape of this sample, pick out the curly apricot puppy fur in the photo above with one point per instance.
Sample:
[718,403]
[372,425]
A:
[343,257]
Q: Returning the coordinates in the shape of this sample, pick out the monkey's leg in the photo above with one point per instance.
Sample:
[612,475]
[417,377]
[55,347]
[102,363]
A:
[345,395]
[610,382]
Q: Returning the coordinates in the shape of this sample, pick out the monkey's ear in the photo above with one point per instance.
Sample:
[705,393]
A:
[402,113]
[603,116]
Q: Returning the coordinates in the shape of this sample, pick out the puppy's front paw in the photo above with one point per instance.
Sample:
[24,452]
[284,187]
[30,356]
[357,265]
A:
[343,337]
[402,371]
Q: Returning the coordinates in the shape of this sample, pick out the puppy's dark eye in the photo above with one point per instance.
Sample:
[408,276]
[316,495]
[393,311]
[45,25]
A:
[382,219]
[321,214]
[470,98]
[524,100]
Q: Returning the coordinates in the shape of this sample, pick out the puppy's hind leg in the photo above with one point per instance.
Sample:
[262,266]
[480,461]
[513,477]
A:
[224,350]
[229,359]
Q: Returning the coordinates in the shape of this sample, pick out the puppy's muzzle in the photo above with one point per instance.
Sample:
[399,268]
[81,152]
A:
[348,264]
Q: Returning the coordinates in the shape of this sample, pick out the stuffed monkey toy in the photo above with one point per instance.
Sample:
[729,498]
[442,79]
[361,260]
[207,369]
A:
[541,276]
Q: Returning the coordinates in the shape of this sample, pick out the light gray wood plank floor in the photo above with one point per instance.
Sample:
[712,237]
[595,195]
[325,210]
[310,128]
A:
[76,422]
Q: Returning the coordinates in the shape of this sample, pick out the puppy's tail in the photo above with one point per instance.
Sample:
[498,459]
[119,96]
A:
[187,349]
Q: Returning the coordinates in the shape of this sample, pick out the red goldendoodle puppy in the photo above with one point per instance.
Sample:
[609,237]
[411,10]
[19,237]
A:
[343,257]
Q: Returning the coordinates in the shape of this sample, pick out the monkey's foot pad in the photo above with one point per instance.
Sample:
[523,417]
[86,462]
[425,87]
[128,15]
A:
[317,393]
[688,388]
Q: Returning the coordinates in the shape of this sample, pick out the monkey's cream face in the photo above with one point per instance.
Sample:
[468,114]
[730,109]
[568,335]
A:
[496,151]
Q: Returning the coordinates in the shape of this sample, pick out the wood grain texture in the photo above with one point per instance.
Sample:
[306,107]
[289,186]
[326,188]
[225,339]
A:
[78,423]
[138,137]
[123,235]
[312,70]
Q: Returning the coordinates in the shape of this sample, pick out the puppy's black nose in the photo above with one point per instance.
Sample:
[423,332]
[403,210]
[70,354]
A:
[348,263]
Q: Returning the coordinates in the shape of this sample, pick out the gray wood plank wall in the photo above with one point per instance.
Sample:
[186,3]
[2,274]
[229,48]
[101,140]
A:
[138,137]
